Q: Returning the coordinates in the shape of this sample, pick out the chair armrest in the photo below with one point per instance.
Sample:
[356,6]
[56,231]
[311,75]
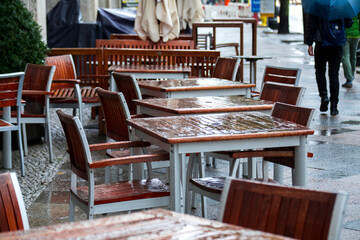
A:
[255,94]
[98,76]
[66,81]
[221,45]
[130,159]
[113,145]
[139,116]
[35,92]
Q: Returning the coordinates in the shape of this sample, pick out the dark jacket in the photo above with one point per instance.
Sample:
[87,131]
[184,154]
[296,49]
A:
[326,33]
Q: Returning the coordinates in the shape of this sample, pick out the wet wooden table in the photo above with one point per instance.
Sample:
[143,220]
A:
[151,71]
[220,132]
[199,105]
[152,224]
[194,87]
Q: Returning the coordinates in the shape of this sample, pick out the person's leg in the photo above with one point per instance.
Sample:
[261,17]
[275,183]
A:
[320,71]
[346,63]
[353,48]
[335,54]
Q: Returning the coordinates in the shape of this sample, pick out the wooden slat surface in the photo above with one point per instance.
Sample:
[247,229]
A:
[191,84]
[216,127]
[205,104]
[152,224]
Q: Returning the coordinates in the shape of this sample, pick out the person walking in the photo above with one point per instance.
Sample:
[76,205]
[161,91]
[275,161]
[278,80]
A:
[349,52]
[329,38]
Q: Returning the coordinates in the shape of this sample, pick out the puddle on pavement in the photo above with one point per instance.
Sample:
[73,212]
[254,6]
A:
[314,142]
[351,122]
[330,132]
[353,225]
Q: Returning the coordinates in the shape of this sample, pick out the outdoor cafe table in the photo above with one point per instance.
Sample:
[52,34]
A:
[158,107]
[220,132]
[151,71]
[152,224]
[194,87]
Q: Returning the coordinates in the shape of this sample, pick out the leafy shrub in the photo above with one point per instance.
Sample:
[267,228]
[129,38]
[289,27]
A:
[20,38]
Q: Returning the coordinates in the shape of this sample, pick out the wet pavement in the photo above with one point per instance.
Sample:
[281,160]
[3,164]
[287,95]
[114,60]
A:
[335,164]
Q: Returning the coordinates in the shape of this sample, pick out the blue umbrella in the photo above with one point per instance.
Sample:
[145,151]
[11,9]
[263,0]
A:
[332,9]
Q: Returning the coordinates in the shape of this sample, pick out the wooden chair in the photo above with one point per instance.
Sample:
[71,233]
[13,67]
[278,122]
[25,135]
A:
[281,75]
[127,84]
[66,86]
[114,197]
[226,68]
[212,187]
[270,92]
[292,212]
[11,86]
[116,112]
[12,207]
[36,93]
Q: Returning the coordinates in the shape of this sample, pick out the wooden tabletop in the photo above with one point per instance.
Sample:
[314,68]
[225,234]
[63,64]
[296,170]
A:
[149,68]
[253,57]
[173,85]
[217,127]
[152,224]
[212,104]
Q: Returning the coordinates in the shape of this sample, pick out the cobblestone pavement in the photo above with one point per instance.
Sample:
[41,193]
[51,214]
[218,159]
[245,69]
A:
[335,144]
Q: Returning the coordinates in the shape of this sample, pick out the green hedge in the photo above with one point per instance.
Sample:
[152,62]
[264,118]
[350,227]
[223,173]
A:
[20,38]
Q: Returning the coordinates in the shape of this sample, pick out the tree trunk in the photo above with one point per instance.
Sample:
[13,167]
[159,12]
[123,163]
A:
[284,17]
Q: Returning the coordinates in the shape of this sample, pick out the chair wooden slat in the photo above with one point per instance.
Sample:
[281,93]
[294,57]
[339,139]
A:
[293,212]
[12,210]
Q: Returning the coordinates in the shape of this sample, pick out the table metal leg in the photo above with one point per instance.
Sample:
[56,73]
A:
[300,171]
[175,188]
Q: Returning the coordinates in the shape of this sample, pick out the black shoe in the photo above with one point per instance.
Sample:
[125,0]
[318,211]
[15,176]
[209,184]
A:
[347,85]
[333,110]
[324,104]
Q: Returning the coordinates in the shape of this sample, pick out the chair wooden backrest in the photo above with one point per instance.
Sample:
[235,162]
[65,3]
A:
[78,147]
[226,68]
[128,85]
[88,64]
[292,113]
[144,44]
[37,78]
[289,211]
[11,86]
[12,207]
[282,93]
[116,113]
[283,75]
[65,69]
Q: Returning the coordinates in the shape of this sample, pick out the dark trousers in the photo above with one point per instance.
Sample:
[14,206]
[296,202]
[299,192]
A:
[331,55]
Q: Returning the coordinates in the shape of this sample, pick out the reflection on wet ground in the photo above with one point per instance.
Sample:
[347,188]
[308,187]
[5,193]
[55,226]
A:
[330,132]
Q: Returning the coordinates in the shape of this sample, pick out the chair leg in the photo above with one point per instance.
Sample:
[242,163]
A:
[24,139]
[265,170]
[278,173]
[201,162]
[189,173]
[71,210]
[21,151]
[49,140]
